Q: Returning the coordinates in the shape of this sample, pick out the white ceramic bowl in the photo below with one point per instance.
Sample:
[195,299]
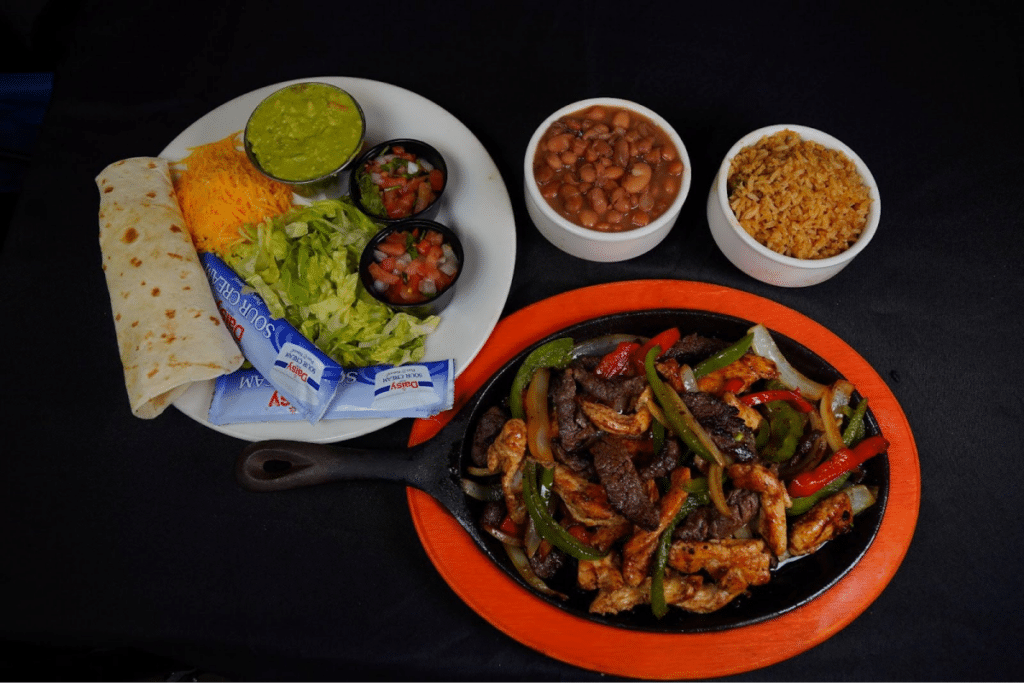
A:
[594,245]
[757,260]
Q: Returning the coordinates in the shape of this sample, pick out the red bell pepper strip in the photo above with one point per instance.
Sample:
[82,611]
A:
[842,461]
[617,361]
[664,339]
[793,398]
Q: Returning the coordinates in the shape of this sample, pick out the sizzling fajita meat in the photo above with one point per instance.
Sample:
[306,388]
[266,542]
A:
[823,522]
[659,500]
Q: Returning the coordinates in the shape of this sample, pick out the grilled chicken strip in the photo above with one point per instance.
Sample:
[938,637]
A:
[609,420]
[506,455]
[749,369]
[705,598]
[823,522]
[775,499]
[587,501]
[743,559]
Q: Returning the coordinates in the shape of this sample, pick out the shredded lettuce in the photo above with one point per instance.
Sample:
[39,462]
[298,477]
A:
[304,264]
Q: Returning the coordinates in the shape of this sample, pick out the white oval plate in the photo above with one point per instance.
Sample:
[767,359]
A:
[476,205]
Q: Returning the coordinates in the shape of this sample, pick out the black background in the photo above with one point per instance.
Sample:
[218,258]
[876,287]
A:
[128,551]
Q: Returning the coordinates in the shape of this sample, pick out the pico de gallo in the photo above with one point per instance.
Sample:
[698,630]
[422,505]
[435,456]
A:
[413,266]
[398,183]
[671,471]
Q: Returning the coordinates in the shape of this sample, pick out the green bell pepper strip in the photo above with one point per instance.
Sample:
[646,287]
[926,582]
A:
[854,431]
[678,415]
[787,428]
[554,354]
[724,357]
[694,500]
[802,505]
[547,526]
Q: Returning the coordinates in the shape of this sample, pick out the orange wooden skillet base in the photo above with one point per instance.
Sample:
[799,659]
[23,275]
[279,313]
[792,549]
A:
[534,623]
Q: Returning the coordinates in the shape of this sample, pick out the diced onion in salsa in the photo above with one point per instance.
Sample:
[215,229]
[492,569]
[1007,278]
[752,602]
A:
[412,267]
[398,184]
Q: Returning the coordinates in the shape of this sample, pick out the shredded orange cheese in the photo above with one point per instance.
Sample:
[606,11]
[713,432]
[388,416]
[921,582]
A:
[219,191]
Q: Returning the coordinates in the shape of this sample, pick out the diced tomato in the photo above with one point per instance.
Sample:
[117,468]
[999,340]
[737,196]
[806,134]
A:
[400,205]
[385,276]
[436,180]
[391,248]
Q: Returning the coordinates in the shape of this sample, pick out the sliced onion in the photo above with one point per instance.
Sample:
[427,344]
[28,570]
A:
[861,498]
[538,422]
[531,538]
[689,379]
[716,489]
[506,539]
[764,346]
[479,471]
[522,565]
[478,491]
[833,398]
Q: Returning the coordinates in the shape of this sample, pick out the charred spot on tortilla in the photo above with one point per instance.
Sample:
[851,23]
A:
[130,235]
[151,194]
[108,189]
[156,291]
[175,228]
[170,313]
[136,261]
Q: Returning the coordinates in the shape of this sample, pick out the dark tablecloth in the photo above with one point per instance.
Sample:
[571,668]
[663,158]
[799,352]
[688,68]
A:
[127,542]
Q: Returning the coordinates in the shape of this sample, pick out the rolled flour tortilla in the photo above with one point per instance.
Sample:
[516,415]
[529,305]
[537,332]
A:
[169,331]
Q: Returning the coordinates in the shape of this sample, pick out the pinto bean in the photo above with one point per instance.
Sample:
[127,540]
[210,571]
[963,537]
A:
[613,172]
[598,200]
[554,161]
[601,148]
[638,178]
[560,143]
[621,152]
[588,218]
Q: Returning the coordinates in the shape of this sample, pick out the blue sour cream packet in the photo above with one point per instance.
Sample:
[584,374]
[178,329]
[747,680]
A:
[303,374]
[419,390]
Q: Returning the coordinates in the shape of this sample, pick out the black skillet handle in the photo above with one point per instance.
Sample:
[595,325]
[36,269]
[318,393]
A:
[278,465]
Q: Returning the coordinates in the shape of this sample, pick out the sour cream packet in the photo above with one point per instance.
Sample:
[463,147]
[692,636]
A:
[303,374]
[416,390]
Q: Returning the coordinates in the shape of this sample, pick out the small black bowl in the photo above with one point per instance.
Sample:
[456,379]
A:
[417,147]
[441,299]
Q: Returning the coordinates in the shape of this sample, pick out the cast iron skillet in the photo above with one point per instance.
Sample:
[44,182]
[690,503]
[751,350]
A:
[436,466]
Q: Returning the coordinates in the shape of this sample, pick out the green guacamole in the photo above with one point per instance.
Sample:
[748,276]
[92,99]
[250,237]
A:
[305,131]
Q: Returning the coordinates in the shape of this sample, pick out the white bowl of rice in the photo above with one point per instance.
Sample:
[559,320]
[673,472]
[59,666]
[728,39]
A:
[792,206]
